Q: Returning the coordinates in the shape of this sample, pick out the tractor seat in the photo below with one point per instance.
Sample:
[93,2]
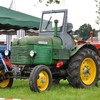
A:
[69,27]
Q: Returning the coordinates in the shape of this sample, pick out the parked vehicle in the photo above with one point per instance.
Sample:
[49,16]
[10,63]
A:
[54,55]
[5,63]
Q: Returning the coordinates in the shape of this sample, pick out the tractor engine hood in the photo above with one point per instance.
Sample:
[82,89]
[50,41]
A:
[33,40]
[56,42]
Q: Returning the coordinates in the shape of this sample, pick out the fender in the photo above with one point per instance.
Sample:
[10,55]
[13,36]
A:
[77,48]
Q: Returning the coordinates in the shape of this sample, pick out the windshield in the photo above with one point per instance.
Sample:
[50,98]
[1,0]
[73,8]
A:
[48,21]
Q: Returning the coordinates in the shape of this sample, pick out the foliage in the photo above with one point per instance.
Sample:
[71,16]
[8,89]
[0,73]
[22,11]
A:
[98,11]
[53,1]
[50,1]
[84,31]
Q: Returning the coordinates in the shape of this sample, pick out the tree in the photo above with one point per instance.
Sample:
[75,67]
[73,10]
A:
[84,31]
[98,11]
[50,1]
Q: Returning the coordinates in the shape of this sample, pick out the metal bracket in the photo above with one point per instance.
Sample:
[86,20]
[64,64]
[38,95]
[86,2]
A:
[5,66]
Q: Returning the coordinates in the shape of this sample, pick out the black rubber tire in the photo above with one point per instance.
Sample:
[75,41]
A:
[74,68]
[7,83]
[35,75]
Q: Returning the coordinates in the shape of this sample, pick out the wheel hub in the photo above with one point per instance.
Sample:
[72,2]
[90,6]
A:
[43,80]
[86,70]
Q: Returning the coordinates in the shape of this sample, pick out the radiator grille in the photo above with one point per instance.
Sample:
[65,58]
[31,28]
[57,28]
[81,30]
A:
[20,54]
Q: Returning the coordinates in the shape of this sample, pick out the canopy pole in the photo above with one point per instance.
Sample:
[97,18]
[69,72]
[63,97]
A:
[20,33]
[8,41]
[12,5]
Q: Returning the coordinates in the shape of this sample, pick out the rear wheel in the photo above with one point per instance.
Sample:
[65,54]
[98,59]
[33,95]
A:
[83,70]
[40,78]
[5,80]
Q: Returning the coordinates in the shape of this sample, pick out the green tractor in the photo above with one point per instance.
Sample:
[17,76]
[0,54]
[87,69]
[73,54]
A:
[53,55]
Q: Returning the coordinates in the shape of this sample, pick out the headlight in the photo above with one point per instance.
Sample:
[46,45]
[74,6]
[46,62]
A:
[32,53]
[7,52]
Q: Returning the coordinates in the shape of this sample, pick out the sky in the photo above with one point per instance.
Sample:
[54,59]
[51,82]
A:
[79,11]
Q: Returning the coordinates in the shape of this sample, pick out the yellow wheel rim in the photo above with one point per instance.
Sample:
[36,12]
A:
[88,71]
[4,83]
[43,80]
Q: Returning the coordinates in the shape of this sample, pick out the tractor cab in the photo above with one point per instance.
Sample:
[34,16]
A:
[54,23]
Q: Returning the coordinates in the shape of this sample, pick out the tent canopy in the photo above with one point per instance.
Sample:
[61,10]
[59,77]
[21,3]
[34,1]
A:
[10,19]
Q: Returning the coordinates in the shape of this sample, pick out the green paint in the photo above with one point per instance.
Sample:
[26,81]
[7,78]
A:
[44,54]
[20,54]
[76,49]
[61,54]
[22,47]
[30,40]
[56,42]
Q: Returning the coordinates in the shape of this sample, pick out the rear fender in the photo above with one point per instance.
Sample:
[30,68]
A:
[87,45]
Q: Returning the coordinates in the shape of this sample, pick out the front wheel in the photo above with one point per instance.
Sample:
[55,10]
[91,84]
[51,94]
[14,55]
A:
[83,69]
[5,80]
[40,78]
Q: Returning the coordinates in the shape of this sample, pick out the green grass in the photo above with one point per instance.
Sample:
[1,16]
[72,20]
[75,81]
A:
[62,91]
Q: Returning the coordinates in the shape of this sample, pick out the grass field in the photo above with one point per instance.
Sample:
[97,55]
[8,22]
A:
[62,91]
